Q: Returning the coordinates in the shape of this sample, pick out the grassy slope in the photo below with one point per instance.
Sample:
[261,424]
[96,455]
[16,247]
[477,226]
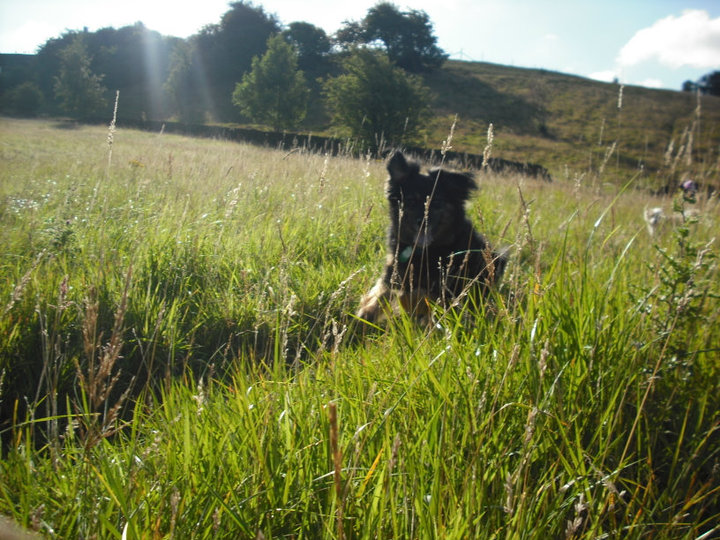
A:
[566,122]
[585,405]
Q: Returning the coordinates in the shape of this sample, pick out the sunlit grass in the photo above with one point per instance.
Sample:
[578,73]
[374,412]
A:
[217,282]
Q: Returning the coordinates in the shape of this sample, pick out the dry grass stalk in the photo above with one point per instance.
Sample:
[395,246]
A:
[100,377]
[337,463]
[605,160]
[447,143]
[488,147]
[111,133]
[20,287]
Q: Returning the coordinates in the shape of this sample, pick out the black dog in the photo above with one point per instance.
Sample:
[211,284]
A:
[434,252]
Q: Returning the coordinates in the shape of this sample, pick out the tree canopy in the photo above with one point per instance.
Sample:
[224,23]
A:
[224,51]
[710,83]
[375,100]
[78,90]
[187,85]
[312,44]
[274,91]
[131,59]
[707,84]
[406,36]
[228,48]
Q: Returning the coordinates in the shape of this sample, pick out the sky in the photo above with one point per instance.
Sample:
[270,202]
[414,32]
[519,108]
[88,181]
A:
[652,43]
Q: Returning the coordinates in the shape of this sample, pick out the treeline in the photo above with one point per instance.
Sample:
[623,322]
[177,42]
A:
[133,60]
[248,68]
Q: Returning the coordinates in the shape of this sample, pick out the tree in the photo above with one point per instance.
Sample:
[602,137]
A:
[47,66]
[186,85]
[25,99]
[78,90]
[407,37]
[274,92]
[225,51]
[135,61]
[689,86]
[311,43]
[376,100]
[710,83]
[132,59]
[19,94]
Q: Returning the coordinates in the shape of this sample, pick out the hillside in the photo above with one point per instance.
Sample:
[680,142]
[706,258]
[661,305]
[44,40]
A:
[568,123]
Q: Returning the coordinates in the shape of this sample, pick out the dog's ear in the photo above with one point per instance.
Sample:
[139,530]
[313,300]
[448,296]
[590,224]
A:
[401,171]
[399,168]
[457,185]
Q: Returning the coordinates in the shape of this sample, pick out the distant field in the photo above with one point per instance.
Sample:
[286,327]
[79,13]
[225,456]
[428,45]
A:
[179,359]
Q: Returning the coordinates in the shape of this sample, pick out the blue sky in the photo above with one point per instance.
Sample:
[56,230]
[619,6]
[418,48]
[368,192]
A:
[655,43]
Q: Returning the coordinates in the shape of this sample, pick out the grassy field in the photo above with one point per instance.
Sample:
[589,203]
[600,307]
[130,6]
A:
[179,357]
[554,119]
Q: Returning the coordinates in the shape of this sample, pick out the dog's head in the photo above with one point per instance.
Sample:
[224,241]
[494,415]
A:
[426,208]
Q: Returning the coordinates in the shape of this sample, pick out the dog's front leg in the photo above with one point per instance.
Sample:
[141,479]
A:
[372,304]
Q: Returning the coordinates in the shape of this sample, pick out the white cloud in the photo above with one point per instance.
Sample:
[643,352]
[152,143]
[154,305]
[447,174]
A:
[692,39]
[652,83]
[609,75]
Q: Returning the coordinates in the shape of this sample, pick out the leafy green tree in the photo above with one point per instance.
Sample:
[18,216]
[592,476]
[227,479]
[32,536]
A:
[78,90]
[689,86]
[407,37]
[25,99]
[376,100]
[710,83]
[351,35]
[47,66]
[19,94]
[707,84]
[311,43]
[186,85]
[225,51]
[274,92]
[133,59]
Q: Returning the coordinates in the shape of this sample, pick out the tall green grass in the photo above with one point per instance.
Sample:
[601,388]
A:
[179,357]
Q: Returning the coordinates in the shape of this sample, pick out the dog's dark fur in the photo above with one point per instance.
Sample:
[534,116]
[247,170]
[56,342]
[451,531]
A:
[434,252]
